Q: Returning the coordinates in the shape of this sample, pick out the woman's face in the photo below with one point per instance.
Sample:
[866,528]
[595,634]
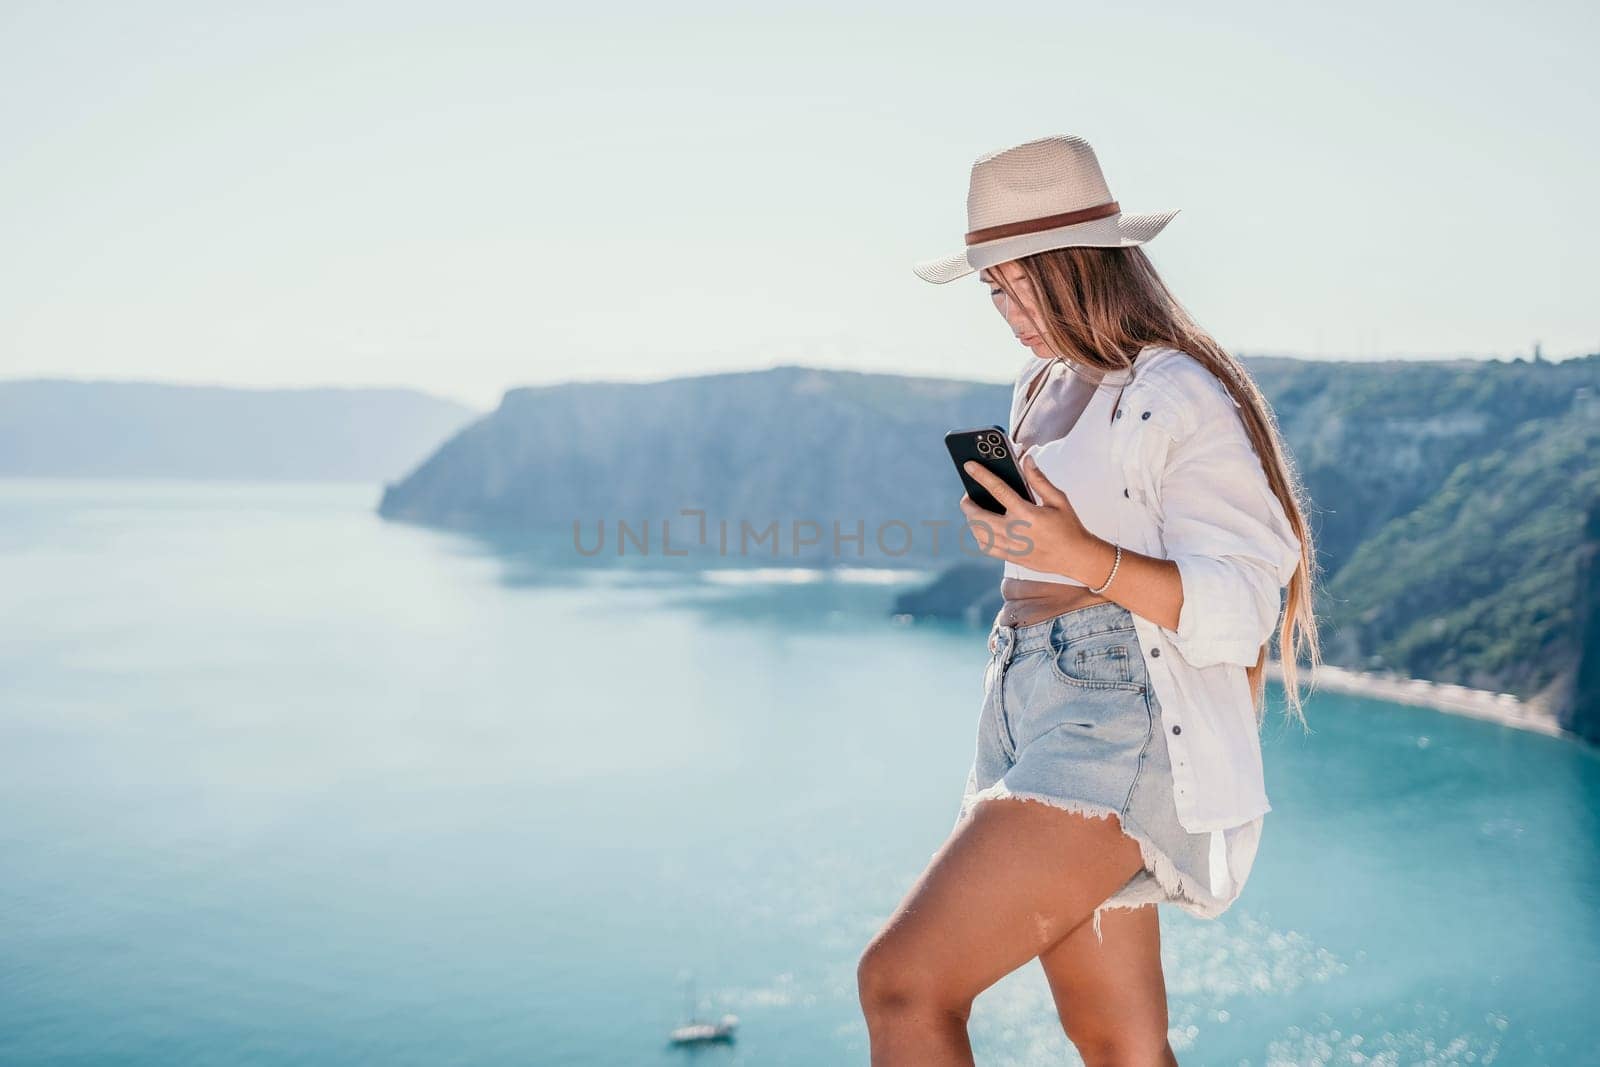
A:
[1020,317]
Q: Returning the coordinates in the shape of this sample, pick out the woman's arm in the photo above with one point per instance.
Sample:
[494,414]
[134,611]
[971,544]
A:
[1230,547]
[1050,537]
[1145,585]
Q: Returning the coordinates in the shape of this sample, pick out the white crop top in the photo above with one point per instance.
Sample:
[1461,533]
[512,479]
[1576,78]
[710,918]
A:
[1080,463]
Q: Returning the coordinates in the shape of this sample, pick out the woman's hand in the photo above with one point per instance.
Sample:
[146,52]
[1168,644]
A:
[1047,536]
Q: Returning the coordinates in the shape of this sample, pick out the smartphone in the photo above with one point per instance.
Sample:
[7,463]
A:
[990,446]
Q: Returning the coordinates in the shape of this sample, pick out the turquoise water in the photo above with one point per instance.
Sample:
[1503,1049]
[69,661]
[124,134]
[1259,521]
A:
[283,783]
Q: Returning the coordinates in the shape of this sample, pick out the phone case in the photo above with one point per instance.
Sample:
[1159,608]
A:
[990,446]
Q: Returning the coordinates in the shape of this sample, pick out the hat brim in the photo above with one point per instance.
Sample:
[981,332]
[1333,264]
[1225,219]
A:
[1114,231]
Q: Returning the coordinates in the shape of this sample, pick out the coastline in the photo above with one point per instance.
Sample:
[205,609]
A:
[1503,708]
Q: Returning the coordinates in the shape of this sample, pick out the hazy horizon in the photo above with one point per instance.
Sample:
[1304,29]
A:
[470,199]
[688,373]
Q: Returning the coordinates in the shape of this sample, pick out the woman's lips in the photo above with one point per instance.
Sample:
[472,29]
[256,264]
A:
[1030,339]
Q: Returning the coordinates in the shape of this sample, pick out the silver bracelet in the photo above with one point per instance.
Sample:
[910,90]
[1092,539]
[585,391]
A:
[1115,564]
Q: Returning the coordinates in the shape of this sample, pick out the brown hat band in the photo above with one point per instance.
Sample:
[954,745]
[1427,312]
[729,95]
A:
[1048,222]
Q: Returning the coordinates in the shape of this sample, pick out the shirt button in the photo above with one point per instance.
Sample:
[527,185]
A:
[1146,415]
[1119,413]
[1155,652]
[1177,729]
[1126,493]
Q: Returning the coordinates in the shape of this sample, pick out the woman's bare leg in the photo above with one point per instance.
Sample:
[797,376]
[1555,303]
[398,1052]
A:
[1112,996]
[1011,880]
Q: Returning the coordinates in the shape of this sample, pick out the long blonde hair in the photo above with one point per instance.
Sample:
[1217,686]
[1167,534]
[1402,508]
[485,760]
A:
[1101,306]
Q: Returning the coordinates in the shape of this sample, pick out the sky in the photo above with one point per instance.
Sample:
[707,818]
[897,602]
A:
[466,196]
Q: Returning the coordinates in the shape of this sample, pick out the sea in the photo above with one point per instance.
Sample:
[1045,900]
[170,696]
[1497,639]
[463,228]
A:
[282,782]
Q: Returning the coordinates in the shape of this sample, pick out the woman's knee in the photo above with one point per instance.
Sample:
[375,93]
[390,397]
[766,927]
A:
[1107,1043]
[890,981]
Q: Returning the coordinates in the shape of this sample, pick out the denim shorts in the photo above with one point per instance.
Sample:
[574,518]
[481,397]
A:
[1069,719]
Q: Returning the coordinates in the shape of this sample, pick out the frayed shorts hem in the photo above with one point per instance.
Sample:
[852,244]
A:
[1159,882]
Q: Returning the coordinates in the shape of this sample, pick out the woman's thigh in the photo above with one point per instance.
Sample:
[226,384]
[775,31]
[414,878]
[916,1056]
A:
[1011,880]
[1111,995]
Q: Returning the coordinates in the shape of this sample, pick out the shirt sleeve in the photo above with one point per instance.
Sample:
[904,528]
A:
[1229,536]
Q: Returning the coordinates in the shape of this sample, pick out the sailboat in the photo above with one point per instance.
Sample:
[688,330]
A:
[695,1031]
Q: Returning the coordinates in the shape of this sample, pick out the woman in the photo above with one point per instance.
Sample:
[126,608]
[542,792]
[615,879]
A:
[1118,759]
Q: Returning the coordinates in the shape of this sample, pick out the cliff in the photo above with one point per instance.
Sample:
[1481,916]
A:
[1453,501]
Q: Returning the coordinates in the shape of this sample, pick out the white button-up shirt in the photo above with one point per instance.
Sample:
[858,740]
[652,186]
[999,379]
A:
[1194,492]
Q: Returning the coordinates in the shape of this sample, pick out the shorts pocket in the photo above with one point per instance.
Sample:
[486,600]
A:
[1105,660]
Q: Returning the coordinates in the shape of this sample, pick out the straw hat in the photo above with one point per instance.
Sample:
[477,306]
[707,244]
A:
[1041,194]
